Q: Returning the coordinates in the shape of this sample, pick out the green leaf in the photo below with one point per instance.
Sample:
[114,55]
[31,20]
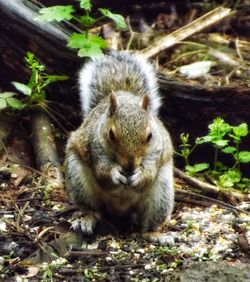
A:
[15,103]
[5,95]
[91,50]
[184,138]
[86,4]
[230,178]
[244,157]
[241,130]
[88,46]
[204,139]
[53,78]
[229,150]
[219,128]
[197,168]
[56,13]
[3,104]
[118,19]
[22,88]
[87,20]
[220,143]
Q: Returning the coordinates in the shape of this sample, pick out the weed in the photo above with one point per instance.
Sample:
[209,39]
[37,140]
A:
[225,139]
[87,44]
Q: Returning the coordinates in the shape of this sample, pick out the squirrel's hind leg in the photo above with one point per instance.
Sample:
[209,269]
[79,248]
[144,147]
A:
[159,237]
[78,187]
[161,206]
[85,222]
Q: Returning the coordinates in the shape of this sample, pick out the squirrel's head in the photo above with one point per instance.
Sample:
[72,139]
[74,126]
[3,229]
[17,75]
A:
[128,130]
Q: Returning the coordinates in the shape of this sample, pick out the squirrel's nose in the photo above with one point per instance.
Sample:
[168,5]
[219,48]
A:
[129,167]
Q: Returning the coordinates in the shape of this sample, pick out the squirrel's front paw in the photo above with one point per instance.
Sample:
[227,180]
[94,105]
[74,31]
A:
[84,222]
[117,176]
[135,178]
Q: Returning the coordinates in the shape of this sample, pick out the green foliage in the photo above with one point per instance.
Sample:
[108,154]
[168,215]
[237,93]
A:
[193,169]
[22,88]
[88,45]
[50,268]
[217,130]
[34,90]
[118,19]
[7,100]
[93,274]
[230,178]
[226,139]
[239,131]
[185,148]
[56,13]
[86,4]
[243,157]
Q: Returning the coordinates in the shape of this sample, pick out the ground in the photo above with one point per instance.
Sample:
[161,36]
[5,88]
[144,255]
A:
[37,242]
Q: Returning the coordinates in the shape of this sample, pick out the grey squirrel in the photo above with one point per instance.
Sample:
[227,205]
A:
[119,161]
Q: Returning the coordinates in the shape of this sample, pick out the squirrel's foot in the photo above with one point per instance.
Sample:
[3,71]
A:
[117,176]
[158,237]
[85,222]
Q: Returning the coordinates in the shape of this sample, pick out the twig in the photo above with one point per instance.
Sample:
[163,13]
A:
[212,189]
[43,232]
[80,254]
[101,268]
[197,25]
[181,193]
[132,34]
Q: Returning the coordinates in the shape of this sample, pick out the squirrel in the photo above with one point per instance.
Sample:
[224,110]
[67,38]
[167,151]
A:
[119,161]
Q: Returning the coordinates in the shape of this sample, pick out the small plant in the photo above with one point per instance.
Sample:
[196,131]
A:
[185,151]
[50,268]
[226,139]
[34,91]
[185,148]
[93,274]
[87,44]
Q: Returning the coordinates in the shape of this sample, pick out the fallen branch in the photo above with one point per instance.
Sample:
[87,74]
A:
[211,189]
[45,149]
[175,37]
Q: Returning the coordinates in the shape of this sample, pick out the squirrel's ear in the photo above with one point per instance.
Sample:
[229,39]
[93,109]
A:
[145,102]
[113,104]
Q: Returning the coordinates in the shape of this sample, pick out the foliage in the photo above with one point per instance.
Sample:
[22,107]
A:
[88,45]
[7,99]
[34,90]
[225,139]
[49,268]
[193,169]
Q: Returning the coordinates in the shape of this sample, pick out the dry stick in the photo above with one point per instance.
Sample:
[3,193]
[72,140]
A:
[84,253]
[208,187]
[182,195]
[175,37]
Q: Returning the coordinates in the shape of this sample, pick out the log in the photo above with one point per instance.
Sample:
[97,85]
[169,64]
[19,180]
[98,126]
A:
[20,33]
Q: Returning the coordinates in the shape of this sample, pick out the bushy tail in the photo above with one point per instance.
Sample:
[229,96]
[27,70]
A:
[117,71]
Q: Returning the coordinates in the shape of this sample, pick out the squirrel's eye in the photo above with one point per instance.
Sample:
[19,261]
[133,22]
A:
[149,137]
[111,135]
